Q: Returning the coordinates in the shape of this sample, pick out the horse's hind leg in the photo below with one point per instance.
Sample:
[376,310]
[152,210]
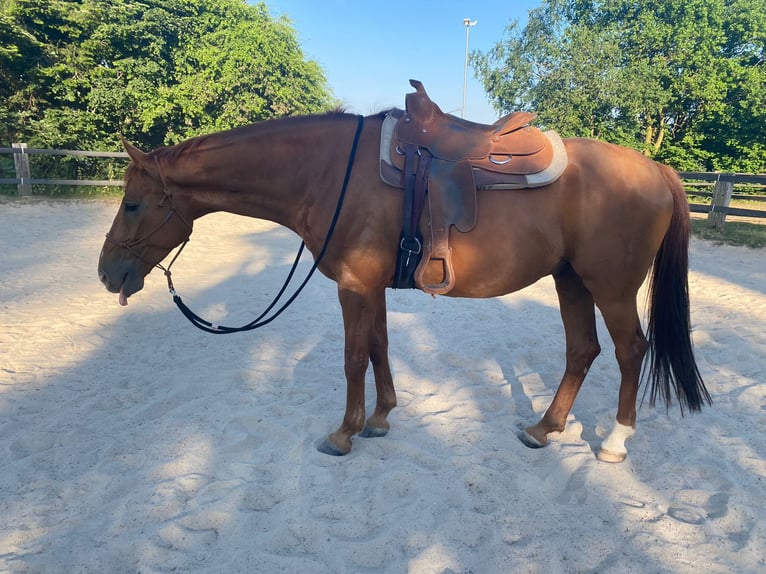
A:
[630,344]
[582,347]
[377,425]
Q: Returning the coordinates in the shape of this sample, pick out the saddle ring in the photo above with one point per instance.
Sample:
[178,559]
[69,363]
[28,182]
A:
[417,248]
[500,162]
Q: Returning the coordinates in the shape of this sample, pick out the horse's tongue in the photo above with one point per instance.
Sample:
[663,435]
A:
[123,299]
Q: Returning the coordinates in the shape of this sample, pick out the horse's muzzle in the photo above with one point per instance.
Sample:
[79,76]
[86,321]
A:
[120,276]
[104,278]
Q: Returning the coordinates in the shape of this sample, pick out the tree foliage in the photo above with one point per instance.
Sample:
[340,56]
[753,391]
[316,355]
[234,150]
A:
[681,80]
[74,73]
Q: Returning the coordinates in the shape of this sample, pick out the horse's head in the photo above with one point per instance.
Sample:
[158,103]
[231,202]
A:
[146,228]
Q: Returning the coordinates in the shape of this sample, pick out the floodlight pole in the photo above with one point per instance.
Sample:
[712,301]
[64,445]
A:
[468,23]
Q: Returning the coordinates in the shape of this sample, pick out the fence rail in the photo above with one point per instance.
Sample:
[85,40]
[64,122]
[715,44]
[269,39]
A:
[33,151]
[722,184]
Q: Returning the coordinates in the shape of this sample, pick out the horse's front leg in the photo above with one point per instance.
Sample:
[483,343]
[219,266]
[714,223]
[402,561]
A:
[359,312]
[377,425]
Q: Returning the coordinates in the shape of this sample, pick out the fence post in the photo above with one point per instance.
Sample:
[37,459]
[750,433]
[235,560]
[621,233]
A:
[722,191]
[21,163]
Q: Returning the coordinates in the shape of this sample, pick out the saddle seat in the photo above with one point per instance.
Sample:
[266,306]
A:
[509,146]
[454,158]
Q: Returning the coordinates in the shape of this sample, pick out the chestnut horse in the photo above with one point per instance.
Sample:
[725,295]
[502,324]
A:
[597,230]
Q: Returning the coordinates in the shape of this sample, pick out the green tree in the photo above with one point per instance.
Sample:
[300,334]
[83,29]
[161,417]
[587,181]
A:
[680,80]
[75,73]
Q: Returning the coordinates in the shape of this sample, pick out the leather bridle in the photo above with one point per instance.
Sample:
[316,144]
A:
[130,245]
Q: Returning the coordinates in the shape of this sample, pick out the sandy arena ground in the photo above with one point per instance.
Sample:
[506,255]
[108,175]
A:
[131,442]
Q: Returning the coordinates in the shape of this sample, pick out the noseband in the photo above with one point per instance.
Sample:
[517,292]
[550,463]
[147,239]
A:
[130,245]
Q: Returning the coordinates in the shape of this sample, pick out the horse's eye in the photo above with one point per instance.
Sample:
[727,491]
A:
[131,207]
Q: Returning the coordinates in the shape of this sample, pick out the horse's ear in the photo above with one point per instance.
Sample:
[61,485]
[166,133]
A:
[138,157]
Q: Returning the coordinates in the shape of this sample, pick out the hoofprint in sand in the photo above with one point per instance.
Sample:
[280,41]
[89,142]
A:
[131,442]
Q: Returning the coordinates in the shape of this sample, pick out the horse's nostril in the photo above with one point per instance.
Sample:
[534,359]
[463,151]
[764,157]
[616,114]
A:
[103,277]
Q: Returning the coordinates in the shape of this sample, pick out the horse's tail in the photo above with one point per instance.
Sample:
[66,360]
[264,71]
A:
[672,366]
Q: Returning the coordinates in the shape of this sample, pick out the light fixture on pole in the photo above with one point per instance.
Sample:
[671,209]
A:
[468,23]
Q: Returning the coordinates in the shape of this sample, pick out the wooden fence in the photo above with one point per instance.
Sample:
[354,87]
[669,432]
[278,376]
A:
[24,180]
[721,186]
[717,186]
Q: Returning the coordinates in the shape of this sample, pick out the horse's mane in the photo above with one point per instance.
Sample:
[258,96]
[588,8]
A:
[173,152]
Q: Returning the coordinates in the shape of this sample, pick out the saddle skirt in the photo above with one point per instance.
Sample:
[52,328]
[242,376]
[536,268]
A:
[463,159]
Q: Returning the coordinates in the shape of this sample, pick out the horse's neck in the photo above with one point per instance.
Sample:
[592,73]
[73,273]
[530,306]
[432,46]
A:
[276,170]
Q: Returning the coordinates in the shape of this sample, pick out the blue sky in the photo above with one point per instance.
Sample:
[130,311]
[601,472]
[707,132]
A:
[369,50]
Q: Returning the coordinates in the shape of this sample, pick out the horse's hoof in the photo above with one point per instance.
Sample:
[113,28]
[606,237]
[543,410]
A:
[529,440]
[611,456]
[326,447]
[372,432]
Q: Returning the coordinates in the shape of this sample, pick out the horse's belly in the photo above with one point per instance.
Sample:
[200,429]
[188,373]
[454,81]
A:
[490,269]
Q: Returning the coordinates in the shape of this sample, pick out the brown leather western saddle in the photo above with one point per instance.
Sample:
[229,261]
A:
[447,159]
